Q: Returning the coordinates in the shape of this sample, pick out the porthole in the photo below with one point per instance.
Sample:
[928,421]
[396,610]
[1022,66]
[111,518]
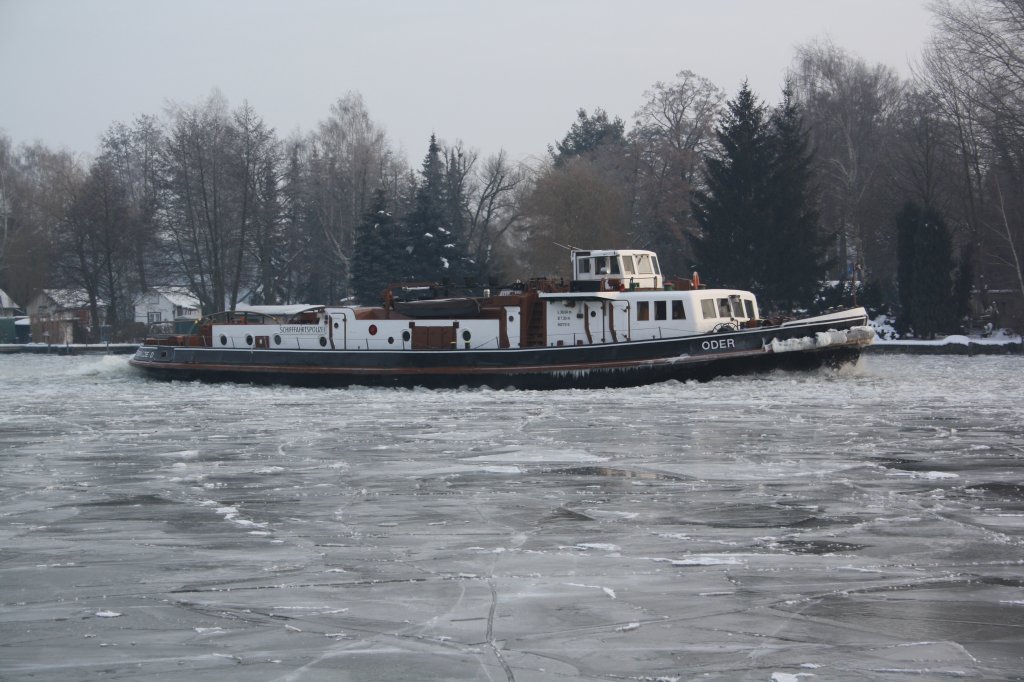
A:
[248,339]
[511,318]
[223,340]
[335,325]
[466,335]
[323,341]
[593,313]
[277,339]
[373,330]
[406,336]
[391,339]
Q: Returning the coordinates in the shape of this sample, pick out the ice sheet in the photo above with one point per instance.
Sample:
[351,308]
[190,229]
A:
[864,525]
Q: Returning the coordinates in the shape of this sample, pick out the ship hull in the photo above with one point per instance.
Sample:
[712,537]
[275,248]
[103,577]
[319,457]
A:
[638,362]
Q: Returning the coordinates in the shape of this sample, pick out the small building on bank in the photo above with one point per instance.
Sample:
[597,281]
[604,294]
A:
[8,308]
[62,316]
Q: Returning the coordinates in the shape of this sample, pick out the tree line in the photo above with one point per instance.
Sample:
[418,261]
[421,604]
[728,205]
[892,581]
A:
[905,193]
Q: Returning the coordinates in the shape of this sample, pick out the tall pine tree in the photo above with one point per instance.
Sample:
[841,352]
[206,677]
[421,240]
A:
[795,250]
[924,269]
[735,208]
[375,257]
[433,250]
[758,213]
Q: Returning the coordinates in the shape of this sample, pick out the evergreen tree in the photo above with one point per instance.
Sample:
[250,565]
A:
[758,212]
[587,134]
[433,249]
[925,266]
[375,256]
[736,208]
[795,260]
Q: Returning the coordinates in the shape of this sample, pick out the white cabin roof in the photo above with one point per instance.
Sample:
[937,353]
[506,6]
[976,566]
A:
[275,310]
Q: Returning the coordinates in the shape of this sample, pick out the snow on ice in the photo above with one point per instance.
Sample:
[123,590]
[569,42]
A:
[863,524]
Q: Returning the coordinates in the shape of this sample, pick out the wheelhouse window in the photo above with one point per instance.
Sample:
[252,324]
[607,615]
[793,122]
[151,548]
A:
[678,312]
[627,265]
[605,265]
[643,311]
[707,308]
[737,306]
[749,305]
[584,265]
[654,262]
[724,310]
[643,264]
[661,310]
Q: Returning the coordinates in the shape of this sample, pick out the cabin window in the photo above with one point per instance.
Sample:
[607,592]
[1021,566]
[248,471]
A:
[707,307]
[737,306]
[643,311]
[643,265]
[627,265]
[749,305]
[723,308]
[661,310]
[678,313]
[584,265]
[615,265]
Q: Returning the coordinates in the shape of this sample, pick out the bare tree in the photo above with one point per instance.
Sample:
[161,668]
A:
[5,201]
[849,107]
[197,198]
[674,128]
[975,65]
[41,186]
[348,159]
[576,203]
[496,208]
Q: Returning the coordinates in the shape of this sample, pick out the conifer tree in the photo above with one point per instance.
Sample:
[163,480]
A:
[433,249]
[735,208]
[795,259]
[925,267]
[377,245]
[758,213]
[587,134]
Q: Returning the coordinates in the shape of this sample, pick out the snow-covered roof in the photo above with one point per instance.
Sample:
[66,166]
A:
[69,299]
[178,296]
[6,301]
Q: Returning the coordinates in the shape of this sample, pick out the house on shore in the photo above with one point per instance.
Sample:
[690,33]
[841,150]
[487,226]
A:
[166,304]
[62,316]
[8,308]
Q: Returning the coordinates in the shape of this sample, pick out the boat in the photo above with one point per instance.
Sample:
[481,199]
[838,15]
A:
[617,322]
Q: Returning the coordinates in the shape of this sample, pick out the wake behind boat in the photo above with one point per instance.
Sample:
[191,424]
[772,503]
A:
[616,323]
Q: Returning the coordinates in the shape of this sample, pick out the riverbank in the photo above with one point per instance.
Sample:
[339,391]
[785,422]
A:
[945,347]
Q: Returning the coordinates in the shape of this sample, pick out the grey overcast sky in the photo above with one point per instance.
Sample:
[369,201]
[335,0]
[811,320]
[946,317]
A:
[493,74]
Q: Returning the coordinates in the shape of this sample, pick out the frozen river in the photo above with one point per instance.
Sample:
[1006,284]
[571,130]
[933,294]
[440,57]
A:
[860,525]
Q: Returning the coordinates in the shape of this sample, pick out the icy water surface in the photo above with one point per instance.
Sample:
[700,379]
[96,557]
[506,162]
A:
[860,525]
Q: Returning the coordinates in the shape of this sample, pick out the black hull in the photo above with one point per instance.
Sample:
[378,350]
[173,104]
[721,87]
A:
[609,365]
